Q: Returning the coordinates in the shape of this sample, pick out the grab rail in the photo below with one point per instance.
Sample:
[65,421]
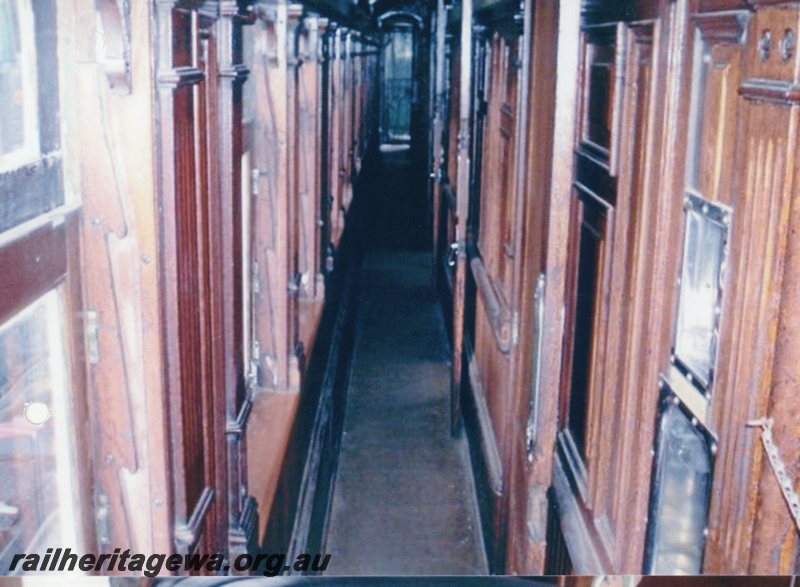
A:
[500,315]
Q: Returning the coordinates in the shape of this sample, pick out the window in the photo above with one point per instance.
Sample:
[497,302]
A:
[610,215]
[704,250]
[702,61]
[592,269]
[31,169]
[37,497]
[600,92]
[682,490]
[684,447]
[398,83]
[19,142]
[40,378]
[593,259]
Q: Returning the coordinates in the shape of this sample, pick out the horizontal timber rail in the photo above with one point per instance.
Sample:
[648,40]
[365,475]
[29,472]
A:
[498,311]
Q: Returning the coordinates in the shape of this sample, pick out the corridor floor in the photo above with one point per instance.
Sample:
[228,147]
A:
[404,501]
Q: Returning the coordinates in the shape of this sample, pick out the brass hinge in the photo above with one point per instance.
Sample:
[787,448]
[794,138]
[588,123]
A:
[255,175]
[255,278]
[92,338]
[515,329]
[103,521]
[252,371]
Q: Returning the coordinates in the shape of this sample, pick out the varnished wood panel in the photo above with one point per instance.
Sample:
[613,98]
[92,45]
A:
[307,110]
[527,500]
[272,167]
[271,412]
[119,271]
[750,529]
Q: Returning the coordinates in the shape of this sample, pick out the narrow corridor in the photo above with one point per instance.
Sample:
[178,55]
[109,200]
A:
[261,261]
[404,501]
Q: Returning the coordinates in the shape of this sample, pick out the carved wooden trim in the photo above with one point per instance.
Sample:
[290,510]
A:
[294,11]
[781,92]
[115,53]
[617,114]
[722,28]
[309,51]
[643,31]
[237,72]
[234,9]
[180,76]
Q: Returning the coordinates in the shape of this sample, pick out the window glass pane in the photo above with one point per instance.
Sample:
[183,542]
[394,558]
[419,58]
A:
[702,59]
[249,90]
[681,502]
[36,485]
[17,115]
[600,93]
[398,83]
[704,249]
[590,270]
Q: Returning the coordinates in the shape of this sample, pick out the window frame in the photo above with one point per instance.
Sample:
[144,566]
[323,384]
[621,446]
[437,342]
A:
[40,248]
[35,187]
[29,152]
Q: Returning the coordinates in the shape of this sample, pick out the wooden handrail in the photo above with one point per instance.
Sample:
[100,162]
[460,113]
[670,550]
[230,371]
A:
[498,311]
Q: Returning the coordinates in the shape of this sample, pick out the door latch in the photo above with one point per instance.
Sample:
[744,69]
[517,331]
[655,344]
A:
[294,284]
[456,249]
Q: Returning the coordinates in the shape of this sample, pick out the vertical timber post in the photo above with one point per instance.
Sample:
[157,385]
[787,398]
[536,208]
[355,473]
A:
[462,203]
[438,126]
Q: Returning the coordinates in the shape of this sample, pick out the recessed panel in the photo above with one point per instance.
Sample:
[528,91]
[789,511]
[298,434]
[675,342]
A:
[704,253]
[600,71]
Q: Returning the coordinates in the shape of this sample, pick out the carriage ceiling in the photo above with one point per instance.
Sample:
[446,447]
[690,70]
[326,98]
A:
[365,15]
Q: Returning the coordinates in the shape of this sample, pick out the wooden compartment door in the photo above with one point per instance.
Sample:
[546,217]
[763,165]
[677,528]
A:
[199,119]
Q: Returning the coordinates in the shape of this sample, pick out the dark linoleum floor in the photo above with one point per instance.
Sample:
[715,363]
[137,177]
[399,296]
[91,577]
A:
[404,500]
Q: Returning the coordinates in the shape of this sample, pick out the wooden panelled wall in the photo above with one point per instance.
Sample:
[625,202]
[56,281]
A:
[218,147]
[589,129]
[130,501]
[308,117]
